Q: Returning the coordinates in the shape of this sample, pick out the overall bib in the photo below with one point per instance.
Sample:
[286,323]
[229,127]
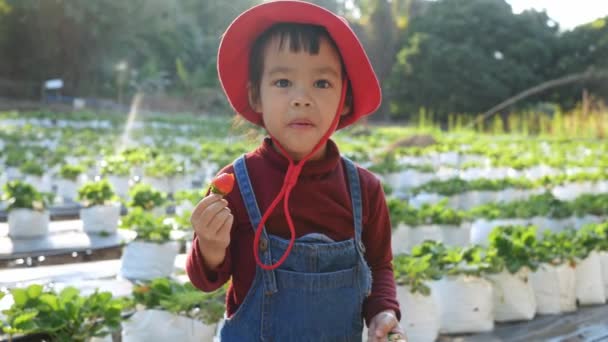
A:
[316,295]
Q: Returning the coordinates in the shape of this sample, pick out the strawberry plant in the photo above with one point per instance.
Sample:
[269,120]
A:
[401,212]
[71,172]
[146,197]
[97,193]
[164,166]
[21,195]
[192,196]
[65,316]
[515,246]
[33,168]
[415,271]
[116,166]
[181,299]
[559,248]
[148,227]
[439,213]
[473,260]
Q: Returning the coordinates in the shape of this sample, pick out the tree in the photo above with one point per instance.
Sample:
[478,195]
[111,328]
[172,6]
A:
[464,56]
[582,49]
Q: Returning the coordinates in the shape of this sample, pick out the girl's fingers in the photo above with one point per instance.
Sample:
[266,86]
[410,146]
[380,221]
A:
[204,203]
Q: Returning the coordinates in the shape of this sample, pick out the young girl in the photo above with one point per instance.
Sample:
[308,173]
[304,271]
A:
[305,234]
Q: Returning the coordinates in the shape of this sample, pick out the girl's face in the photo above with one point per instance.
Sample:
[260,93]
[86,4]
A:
[299,96]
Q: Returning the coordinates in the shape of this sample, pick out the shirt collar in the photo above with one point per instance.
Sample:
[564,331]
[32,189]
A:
[310,168]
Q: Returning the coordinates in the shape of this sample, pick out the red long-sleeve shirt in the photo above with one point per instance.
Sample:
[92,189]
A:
[319,203]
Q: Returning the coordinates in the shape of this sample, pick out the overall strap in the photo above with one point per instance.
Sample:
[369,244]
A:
[355,195]
[244,183]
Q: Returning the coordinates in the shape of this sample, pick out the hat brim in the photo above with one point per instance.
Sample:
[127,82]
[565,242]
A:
[236,43]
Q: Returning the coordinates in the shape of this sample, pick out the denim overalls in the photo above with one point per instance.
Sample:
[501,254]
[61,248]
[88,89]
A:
[316,294]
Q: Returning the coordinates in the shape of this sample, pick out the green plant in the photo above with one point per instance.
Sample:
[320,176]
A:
[97,193]
[65,316]
[415,271]
[19,194]
[71,172]
[439,213]
[31,167]
[559,248]
[473,260]
[115,165]
[164,166]
[401,212]
[192,196]
[184,300]
[148,227]
[515,246]
[146,197]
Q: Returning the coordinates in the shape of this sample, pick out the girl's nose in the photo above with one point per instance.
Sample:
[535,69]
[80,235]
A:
[301,100]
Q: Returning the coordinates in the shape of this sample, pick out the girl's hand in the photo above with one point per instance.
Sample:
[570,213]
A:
[212,223]
[385,326]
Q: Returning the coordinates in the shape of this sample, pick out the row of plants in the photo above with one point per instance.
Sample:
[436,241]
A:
[370,146]
[517,276]
[542,205]
[453,186]
[68,315]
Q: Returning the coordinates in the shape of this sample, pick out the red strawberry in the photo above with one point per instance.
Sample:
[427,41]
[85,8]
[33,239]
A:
[223,184]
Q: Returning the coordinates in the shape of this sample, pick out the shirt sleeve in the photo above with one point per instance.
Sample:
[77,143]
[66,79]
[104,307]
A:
[200,275]
[379,256]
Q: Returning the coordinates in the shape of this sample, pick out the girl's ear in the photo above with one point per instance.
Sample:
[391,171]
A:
[346,109]
[254,99]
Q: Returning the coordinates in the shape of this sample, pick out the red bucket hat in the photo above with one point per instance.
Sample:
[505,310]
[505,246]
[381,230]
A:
[235,47]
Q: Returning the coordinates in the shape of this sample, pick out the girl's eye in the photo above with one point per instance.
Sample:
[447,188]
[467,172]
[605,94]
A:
[322,84]
[282,83]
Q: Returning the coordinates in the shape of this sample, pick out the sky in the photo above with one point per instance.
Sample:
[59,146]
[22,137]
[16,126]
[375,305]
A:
[568,13]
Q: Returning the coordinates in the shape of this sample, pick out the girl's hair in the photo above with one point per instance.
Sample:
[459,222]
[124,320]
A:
[301,37]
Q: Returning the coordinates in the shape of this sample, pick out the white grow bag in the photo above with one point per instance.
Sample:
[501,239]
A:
[120,184]
[589,282]
[554,288]
[420,315]
[458,236]
[100,218]
[163,326]
[513,296]
[145,260]
[27,223]
[67,189]
[400,239]
[465,304]
[604,265]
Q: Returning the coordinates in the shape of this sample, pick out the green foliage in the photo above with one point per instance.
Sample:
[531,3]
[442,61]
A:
[65,316]
[31,167]
[96,193]
[192,196]
[515,246]
[164,166]
[539,205]
[465,56]
[148,227]
[181,299]
[116,166]
[146,197]
[472,260]
[439,213]
[71,172]
[415,272]
[559,248]
[401,212]
[19,194]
